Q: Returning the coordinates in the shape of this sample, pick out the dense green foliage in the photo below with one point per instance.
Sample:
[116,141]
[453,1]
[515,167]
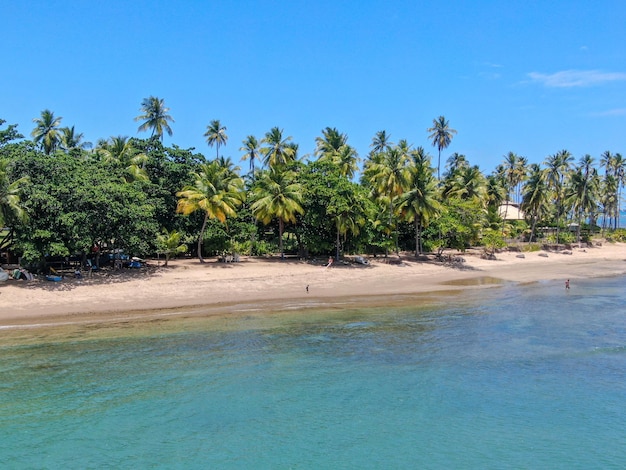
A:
[61,197]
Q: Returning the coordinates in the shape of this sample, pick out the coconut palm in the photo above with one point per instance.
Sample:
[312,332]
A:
[71,140]
[441,135]
[216,135]
[535,196]
[46,132]
[581,192]
[277,195]
[252,151]
[11,206]
[389,177]
[155,117]
[380,142]
[169,244]
[278,151]
[557,168]
[419,204]
[120,151]
[469,184]
[217,191]
[330,142]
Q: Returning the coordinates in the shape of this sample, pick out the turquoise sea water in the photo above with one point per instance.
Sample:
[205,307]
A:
[509,377]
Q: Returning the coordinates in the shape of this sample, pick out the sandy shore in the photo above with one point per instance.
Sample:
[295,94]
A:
[253,284]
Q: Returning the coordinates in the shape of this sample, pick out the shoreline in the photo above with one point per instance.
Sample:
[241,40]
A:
[188,288]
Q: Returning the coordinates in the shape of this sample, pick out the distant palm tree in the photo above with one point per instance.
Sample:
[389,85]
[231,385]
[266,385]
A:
[469,184]
[330,142]
[46,131]
[557,168]
[217,191]
[535,196]
[70,140]
[216,135]
[252,151]
[155,117]
[278,151]
[441,135]
[277,196]
[120,151]
[380,142]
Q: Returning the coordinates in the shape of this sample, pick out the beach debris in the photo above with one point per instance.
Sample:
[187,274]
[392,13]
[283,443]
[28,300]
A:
[360,260]
[543,255]
[520,256]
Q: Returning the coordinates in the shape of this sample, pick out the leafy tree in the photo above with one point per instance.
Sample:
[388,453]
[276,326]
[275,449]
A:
[11,205]
[441,136]
[155,117]
[216,135]
[46,131]
[9,134]
[217,191]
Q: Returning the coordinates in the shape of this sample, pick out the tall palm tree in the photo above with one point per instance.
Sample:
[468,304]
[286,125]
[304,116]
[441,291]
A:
[581,191]
[216,135]
[217,191]
[441,135]
[557,168]
[278,151]
[469,184]
[277,195]
[46,131]
[155,117]
[419,204]
[252,151]
[535,196]
[390,177]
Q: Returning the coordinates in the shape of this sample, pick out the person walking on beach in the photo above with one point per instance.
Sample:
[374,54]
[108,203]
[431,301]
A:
[567,284]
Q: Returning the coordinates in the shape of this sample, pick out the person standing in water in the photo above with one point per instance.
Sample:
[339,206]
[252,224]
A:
[567,284]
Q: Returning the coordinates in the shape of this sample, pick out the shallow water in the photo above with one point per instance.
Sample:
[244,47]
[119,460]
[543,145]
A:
[506,377]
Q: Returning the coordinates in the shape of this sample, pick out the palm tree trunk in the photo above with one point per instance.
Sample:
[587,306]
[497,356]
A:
[201,237]
[337,248]
[417,237]
[281,226]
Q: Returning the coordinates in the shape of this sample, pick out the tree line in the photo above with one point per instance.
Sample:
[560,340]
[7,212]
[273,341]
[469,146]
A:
[62,196]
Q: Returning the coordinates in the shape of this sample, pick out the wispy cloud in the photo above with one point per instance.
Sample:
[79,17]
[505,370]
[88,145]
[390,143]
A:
[611,112]
[575,78]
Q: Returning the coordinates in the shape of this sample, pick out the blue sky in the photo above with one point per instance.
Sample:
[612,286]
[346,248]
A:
[532,77]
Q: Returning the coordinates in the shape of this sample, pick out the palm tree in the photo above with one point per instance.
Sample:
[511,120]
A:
[441,135]
[216,135]
[169,244]
[120,151]
[581,192]
[251,149]
[558,166]
[278,151]
[330,142]
[535,196]
[419,203]
[70,140]
[217,191]
[380,142]
[390,177]
[11,207]
[155,117]
[469,184]
[46,131]
[277,195]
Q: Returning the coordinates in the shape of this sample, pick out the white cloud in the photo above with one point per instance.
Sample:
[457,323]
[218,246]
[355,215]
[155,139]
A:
[575,78]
